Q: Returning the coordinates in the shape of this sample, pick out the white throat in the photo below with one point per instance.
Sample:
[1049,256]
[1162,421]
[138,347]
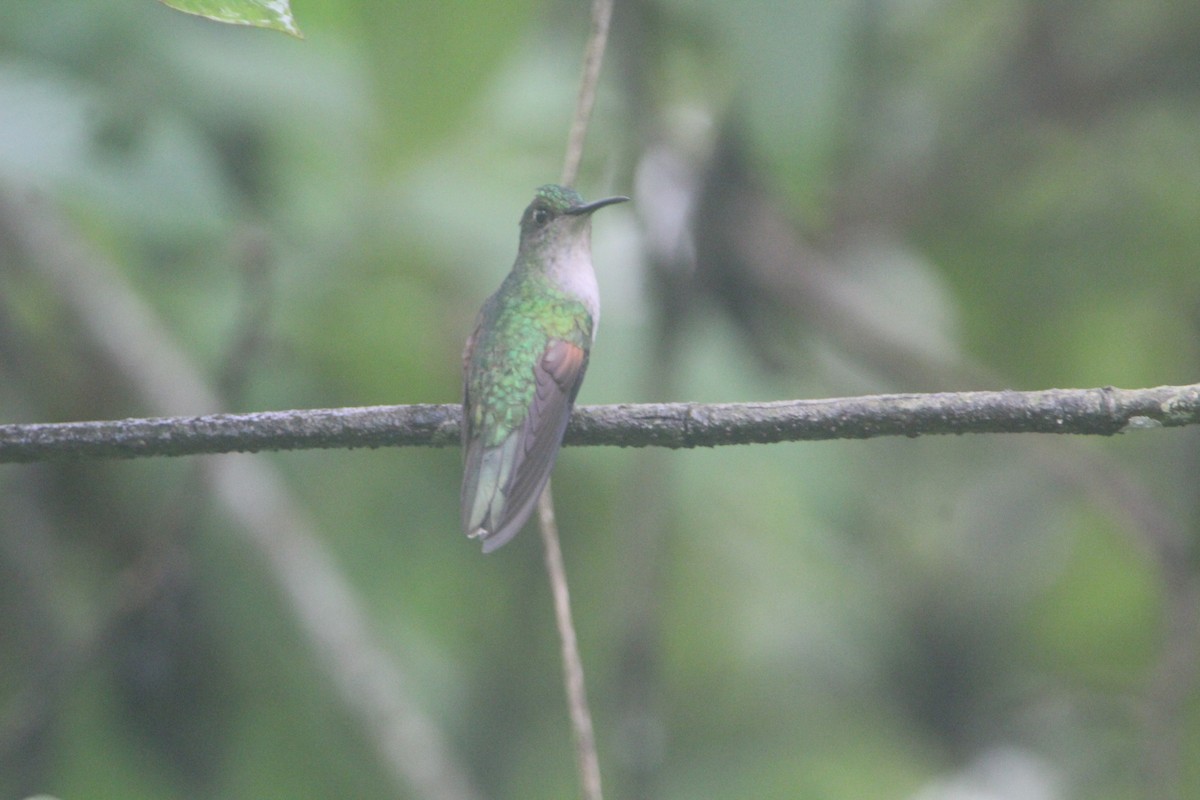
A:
[572,272]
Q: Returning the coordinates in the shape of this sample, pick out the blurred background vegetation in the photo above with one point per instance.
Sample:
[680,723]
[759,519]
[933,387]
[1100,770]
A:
[829,198]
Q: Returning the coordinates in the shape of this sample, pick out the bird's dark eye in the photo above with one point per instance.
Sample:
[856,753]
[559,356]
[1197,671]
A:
[540,216]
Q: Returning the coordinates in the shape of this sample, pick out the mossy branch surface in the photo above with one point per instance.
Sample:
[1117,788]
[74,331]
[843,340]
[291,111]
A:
[1102,411]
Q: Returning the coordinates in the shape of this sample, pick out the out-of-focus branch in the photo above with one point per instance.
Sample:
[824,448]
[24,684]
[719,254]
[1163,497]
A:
[1104,412]
[132,340]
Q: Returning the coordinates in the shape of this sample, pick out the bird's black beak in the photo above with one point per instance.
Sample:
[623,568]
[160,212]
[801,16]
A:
[588,208]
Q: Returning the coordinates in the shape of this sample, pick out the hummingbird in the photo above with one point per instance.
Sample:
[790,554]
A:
[524,363]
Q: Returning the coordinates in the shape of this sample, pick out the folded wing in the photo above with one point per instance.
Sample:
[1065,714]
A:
[502,483]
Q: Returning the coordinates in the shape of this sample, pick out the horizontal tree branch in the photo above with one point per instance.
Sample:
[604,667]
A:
[1104,411]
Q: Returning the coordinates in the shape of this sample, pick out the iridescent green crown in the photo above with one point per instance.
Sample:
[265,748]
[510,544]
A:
[558,198]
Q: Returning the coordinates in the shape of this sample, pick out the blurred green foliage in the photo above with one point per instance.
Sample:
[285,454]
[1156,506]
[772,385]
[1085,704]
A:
[866,197]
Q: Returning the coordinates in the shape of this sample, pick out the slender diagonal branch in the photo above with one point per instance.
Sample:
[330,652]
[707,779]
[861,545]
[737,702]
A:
[592,59]
[1102,411]
[586,758]
[587,761]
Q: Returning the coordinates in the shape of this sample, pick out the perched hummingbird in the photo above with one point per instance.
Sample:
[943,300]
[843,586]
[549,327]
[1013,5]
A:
[524,364]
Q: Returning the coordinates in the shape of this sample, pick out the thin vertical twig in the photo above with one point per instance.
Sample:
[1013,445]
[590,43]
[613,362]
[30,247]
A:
[581,717]
[592,57]
[587,760]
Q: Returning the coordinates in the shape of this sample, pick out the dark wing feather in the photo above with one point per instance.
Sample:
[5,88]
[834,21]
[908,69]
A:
[468,349]
[472,445]
[532,448]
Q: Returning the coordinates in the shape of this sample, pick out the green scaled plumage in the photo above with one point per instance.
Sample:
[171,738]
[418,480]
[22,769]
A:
[524,364]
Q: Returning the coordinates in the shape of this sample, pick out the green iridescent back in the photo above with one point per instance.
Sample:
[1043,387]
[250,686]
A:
[517,322]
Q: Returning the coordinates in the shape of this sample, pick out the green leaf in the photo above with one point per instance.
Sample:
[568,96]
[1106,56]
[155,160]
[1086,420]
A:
[274,14]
